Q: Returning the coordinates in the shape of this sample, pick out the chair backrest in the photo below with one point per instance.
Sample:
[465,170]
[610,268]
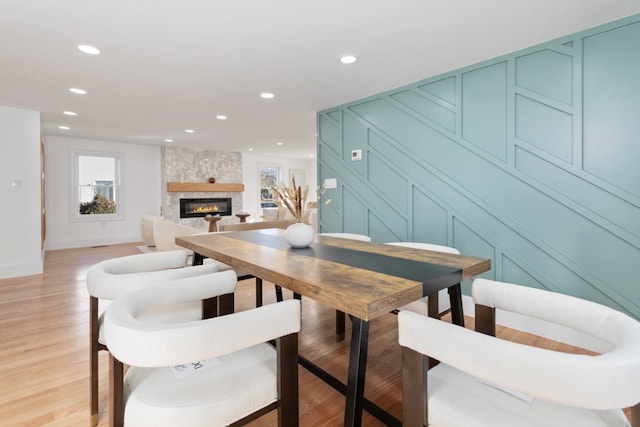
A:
[426,247]
[606,381]
[258,225]
[165,233]
[351,236]
[137,343]
[616,370]
[113,278]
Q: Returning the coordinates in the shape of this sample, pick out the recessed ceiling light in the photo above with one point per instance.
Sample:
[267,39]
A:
[168,140]
[189,130]
[221,117]
[266,95]
[64,127]
[250,149]
[70,113]
[78,91]
[90,50]
[348,59]
[279,143]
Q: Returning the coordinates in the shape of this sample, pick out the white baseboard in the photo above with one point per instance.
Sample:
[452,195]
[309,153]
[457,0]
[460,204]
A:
[20,270]
[87,243]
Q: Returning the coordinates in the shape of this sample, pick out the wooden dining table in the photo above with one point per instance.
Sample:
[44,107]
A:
[362,279]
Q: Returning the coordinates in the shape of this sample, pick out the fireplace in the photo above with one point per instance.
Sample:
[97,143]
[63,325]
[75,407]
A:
[193,208]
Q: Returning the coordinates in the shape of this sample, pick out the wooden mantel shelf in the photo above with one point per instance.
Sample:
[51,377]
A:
[185,187]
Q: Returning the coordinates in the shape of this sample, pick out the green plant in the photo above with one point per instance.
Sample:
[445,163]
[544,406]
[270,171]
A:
[99,205]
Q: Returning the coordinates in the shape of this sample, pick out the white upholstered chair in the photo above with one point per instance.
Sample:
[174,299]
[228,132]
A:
[352,236]
[440,305]
[110,279]
[485,381]
[235,376]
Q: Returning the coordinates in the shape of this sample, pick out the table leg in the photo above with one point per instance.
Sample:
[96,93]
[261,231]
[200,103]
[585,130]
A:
[197,259]
[455,298]
[258,292]
[356,373]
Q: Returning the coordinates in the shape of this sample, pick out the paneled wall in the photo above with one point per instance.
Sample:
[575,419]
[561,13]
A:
[531,159]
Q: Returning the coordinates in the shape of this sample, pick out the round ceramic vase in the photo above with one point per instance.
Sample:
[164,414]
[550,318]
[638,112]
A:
[299,235]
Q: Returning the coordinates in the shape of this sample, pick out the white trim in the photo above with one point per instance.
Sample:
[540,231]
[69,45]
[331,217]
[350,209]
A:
[87,243]
[19,270]
[74,215]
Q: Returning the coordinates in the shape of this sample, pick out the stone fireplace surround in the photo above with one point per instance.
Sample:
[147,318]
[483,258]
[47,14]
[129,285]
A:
[181,164]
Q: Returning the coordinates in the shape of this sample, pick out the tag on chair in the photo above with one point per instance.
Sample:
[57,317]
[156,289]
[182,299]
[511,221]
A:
[188,369]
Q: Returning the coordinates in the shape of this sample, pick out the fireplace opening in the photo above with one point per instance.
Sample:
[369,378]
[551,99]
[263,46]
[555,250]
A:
[193,208]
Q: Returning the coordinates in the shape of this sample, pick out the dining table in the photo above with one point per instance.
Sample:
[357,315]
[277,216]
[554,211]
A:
[362,279]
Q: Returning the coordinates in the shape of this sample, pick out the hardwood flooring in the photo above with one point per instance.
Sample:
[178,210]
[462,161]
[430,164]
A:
[44,346]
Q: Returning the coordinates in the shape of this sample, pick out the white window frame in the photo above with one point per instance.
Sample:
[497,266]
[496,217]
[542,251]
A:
[74,193]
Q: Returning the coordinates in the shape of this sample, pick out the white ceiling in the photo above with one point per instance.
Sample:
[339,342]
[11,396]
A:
[169,65]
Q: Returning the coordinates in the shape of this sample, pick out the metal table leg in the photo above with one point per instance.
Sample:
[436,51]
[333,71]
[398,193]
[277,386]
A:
[356,373]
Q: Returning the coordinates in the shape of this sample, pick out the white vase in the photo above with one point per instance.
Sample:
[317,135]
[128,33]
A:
[299,235]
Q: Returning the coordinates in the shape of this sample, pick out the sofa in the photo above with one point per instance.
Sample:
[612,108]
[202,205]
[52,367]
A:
[281,213]
[146,229]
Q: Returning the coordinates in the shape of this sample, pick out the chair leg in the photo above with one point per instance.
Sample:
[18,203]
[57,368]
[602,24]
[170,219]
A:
[288,390]
[635,415]
[414,409]
[278,293]
[93,361]
[258,292]
[455,298]
[116,398]
[486,320]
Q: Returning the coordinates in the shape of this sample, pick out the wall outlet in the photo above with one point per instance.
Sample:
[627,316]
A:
[356,155]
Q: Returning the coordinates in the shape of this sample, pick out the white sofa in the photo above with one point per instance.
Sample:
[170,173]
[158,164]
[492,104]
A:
[146,229]
[281,213]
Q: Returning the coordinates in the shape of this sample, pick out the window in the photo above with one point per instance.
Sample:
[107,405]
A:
[96,186]
[269,177]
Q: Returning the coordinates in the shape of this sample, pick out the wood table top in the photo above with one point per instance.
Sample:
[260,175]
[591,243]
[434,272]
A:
[339,272]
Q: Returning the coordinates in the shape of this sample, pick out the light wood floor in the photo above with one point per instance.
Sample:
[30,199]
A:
[44,349]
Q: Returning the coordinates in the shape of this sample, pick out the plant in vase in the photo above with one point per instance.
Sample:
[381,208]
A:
[294,198]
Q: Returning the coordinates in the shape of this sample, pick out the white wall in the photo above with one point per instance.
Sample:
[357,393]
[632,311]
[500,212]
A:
[140,186]
[250,164]
[141,181]
[20,252]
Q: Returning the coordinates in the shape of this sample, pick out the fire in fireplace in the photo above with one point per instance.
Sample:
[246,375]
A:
[192,208]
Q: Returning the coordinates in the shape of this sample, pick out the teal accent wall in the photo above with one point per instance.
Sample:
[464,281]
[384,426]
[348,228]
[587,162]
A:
[531,159]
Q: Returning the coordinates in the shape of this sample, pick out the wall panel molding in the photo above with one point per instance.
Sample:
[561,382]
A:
[499,160]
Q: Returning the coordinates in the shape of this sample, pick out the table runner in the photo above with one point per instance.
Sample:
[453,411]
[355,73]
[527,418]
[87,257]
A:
[426,273]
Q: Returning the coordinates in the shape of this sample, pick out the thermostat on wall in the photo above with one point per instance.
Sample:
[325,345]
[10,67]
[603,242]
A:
[356,155]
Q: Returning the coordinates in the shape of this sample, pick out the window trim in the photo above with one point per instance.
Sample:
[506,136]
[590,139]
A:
[74,200]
